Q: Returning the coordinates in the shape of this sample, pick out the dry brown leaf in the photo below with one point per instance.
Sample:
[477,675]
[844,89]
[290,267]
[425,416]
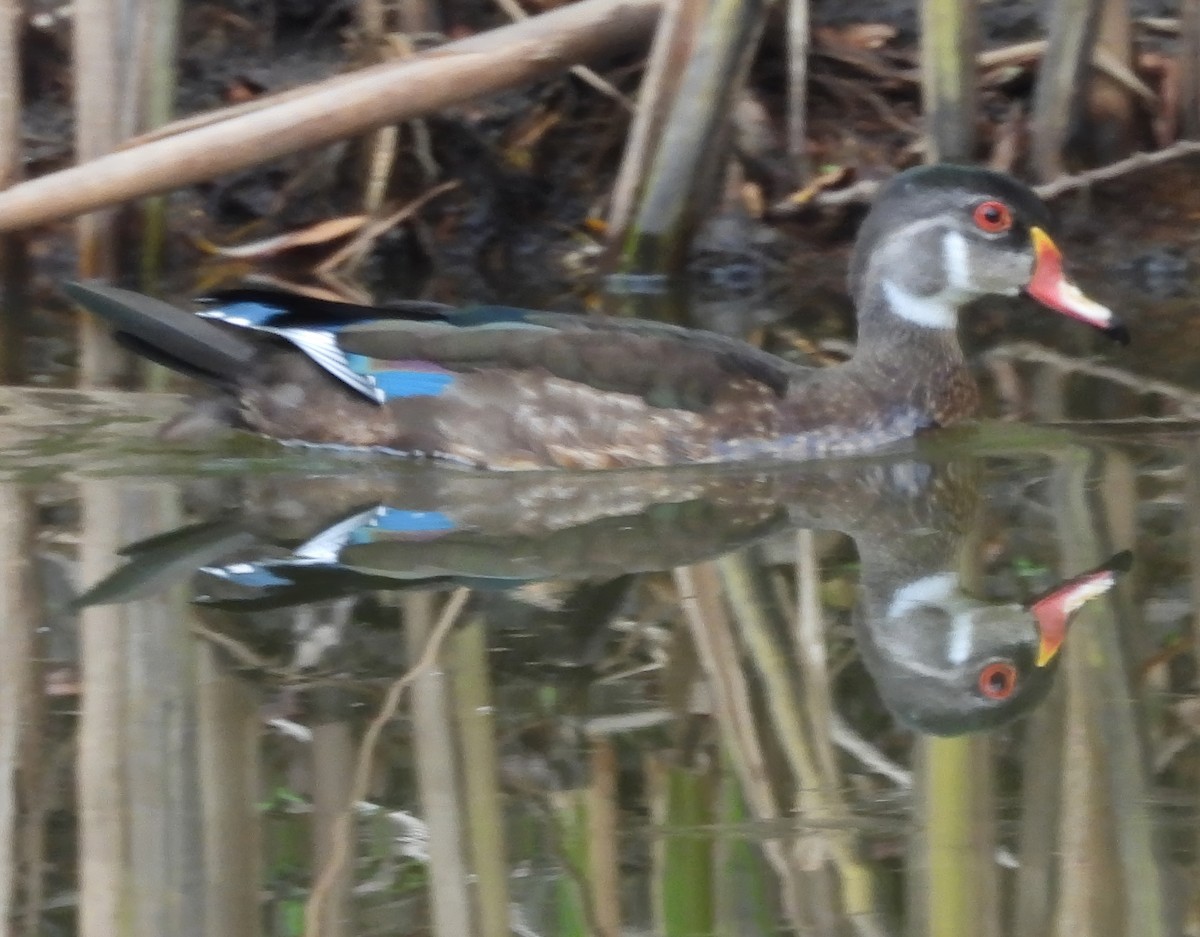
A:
[518,152]
[834,175]
[362,241]
[327,232]
[326,290]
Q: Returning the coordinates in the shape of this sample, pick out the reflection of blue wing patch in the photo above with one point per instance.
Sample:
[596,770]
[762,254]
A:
[396,520]
[249,575]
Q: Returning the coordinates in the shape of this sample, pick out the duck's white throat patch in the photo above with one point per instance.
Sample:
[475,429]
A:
[938,310]
[932,312]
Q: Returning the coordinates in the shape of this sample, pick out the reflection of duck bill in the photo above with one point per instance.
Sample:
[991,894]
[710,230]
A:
[1055,609]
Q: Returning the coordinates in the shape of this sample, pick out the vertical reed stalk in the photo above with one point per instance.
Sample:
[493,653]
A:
[689,153]
[682,882]
[164,831]
[382,144]
[673,37]
[604,855]
[1041,803]
[1189,63]
[98,80]
[418,16]
[1088,902]
[949,39]
[20,688]
[953,892]
[1060,78]
[812,655]
[139,819]
[741,733]
[744,900]
[332,756]
[797,127]
[101,784]
[481,777]
[230,787]
[156,94]
[819,802]
[1110,105]
[14,260]
[1119,742]
[1192,502]
[438,778]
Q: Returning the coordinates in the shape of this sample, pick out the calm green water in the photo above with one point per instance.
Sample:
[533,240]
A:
[679,703]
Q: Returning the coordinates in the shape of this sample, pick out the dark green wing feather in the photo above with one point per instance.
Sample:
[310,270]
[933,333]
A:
[666,365]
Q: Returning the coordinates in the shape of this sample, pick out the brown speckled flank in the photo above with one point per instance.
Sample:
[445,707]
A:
[519,389]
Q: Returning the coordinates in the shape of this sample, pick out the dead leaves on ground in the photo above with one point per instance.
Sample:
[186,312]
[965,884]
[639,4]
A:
[319,259]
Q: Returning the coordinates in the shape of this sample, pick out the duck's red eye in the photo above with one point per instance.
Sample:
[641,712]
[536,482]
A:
[993,217]
[997,680]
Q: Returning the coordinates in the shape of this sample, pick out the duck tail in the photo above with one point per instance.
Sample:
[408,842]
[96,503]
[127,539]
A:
[166,335]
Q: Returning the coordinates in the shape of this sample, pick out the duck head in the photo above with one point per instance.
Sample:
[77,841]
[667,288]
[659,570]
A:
[946,662]
[938,237]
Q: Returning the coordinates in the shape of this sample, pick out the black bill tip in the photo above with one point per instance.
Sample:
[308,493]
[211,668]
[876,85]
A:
[1118,332]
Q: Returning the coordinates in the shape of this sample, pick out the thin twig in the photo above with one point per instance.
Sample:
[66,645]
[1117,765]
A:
[867,754]
[798,42]
[861,193]
[859,90]
[1187,400]
[361,241]
[366,753]
[1102,60]
[1160,24]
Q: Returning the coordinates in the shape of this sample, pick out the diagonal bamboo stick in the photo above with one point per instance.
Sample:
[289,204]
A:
[340,107]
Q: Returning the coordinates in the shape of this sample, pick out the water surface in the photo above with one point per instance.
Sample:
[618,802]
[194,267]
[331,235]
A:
[721,701]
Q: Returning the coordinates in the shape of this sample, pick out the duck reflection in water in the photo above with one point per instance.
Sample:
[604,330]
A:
[944,661]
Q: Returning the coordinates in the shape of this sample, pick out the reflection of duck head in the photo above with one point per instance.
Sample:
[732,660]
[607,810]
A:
[947,662]
[944,661]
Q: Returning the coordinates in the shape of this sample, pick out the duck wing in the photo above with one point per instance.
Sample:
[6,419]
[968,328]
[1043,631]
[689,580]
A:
[416,349]
[665,365]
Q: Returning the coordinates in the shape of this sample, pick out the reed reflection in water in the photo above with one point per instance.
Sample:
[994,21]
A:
[676,702]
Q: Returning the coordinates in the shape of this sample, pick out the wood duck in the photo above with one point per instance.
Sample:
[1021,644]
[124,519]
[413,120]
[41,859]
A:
[505,388]
[944,661]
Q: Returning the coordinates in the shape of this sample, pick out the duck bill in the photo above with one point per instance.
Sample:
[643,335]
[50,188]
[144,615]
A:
[1050,287]
[1054,611]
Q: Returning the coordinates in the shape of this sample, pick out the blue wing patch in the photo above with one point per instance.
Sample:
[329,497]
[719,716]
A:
[375,379]
[246,314]
[402,378]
